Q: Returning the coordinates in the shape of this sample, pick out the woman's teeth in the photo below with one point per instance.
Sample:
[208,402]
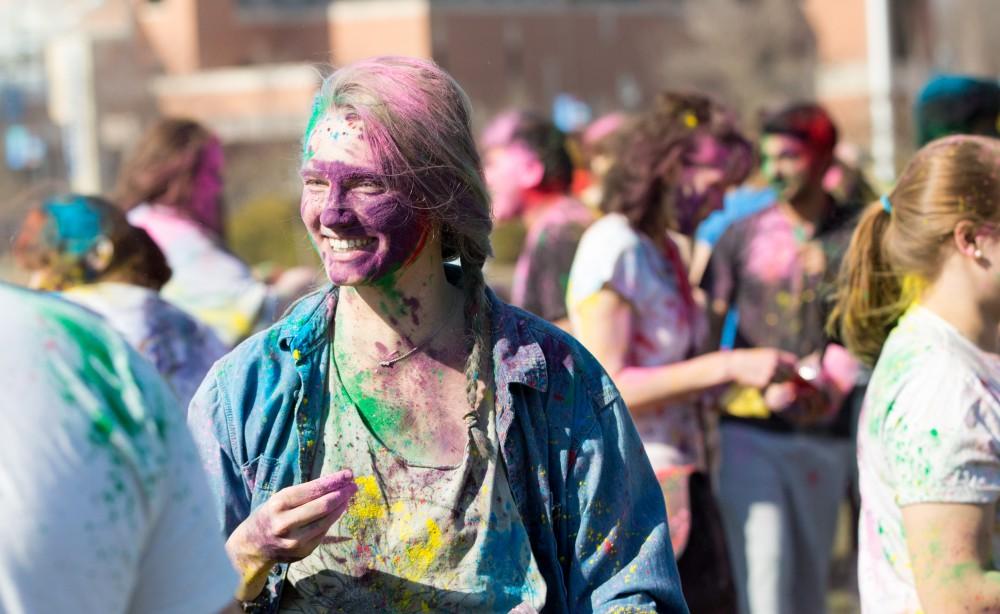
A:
[346,245]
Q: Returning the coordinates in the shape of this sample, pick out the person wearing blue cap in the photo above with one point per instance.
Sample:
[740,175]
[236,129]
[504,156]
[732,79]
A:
[957,104]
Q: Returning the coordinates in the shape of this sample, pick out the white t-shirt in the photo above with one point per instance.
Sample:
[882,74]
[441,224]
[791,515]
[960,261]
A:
[929,433]
[665,328]
[103,502]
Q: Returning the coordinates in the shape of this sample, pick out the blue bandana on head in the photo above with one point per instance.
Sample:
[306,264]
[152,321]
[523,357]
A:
[75,226]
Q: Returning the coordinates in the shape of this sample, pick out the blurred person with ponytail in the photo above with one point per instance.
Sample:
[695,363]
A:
[404,441]
[171,187]
[85,249]
[631,304]
[920,299]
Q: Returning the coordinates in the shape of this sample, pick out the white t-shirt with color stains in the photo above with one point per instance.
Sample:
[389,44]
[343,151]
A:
[929,433]
[103,502]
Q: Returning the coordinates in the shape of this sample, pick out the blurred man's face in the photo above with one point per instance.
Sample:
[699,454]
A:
[704,181]
[789,166]
[510,171]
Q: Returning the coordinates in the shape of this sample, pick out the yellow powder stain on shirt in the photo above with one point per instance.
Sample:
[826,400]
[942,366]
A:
[421,556]
[367,505]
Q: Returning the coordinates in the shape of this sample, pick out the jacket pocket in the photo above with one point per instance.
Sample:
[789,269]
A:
[258,474]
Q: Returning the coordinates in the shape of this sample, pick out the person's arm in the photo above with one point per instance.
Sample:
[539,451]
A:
[605,322]
[619,558]
[939,443]
[950,546]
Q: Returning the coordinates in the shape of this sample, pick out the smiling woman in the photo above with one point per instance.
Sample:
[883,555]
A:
[381,448]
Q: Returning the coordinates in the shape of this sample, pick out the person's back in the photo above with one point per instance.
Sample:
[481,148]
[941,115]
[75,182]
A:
[180,347]
[103,501]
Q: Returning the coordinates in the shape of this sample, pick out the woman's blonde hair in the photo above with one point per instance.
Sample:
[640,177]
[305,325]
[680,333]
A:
[899,245]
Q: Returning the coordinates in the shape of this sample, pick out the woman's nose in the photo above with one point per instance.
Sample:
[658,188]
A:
[336,214]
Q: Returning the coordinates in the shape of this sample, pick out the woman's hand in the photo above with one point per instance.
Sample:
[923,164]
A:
[287,528]
[759,367]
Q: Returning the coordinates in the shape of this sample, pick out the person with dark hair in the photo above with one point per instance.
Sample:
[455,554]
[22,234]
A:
[84,248]
[786,452]
[403,441]
[529,172]
[957,104]
[631,305]
[104,505]
[171,186]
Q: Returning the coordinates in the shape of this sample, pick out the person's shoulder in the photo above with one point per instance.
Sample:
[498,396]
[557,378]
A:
[94,374]
[275,346]
[564,356]
[740,231]
[748,222]
[924,362]
[611,234]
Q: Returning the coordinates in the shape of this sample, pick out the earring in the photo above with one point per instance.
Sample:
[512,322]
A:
[978,254]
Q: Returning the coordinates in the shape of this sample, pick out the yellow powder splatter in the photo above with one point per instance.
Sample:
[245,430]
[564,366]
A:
[421,556]
[913,287]
[367,504]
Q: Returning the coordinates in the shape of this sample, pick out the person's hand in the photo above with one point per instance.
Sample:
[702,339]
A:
[779,396]
[811,405]
[760,366]
[287,528]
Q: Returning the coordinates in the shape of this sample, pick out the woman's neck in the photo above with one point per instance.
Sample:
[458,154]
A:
[953,298]
[399,312]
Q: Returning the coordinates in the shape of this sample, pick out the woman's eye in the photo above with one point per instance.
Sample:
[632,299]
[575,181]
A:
[369,186]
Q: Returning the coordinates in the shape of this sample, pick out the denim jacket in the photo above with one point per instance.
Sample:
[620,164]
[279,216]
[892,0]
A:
[586,493]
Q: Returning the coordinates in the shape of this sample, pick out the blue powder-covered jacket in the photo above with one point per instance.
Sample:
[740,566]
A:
[588,498]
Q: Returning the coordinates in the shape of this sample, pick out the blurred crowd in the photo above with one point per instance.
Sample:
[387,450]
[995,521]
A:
[729,324]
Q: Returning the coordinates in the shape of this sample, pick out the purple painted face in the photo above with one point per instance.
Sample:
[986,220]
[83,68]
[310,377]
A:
[704,181]
[362,229]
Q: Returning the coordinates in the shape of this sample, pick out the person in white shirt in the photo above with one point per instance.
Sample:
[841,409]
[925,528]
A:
[104,504]
[920,298]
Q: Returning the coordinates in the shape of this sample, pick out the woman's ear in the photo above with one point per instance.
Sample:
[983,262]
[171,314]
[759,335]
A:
[965,237]
[99,258]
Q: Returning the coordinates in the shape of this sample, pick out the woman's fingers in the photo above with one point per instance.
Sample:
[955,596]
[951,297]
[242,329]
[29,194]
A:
[295,496]
[330,504]
[315,531]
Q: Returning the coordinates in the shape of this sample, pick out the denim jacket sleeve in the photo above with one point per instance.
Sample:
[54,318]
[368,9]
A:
[623,560]
[209,420]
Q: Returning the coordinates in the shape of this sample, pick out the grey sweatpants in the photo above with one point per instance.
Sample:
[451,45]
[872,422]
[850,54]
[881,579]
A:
[780,496]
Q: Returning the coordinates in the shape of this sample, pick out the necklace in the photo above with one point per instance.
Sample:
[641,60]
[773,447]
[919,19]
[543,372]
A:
[397,357]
